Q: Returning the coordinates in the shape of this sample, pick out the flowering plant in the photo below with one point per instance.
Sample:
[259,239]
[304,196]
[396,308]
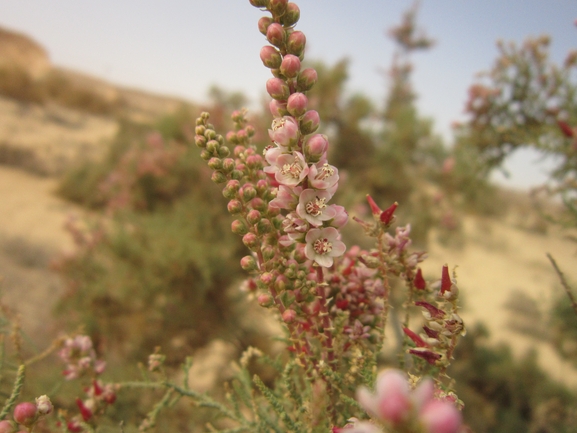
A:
[333,302]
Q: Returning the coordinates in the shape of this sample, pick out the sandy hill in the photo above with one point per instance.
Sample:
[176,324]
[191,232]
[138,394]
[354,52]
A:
[50,117]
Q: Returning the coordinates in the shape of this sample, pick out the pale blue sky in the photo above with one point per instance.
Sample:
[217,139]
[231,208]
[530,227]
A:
[181,47]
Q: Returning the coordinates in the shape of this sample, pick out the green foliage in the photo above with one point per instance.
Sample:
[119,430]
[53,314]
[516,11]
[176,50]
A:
[159,262]
[526,101]
[503,394]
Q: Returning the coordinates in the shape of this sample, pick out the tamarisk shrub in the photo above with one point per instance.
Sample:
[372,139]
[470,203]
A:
[332,301]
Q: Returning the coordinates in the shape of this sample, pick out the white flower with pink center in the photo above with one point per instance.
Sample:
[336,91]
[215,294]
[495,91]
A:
[286,198]
[323,245]
[285,131]
[323,176]
[289,168]
[312,206]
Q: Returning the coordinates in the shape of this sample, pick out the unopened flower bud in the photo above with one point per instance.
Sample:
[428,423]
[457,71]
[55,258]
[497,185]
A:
[280,283]
[200,130]
[266,278]
[315,147]
[200,141]
[263,24]
[25,413]
[275,34]
[7,426]
[258,204]
[297,104]
[228,165]
[248,263]
[291,15]
[289,316]
[278,89]
[310,122]
[251,241]
[218,177]
[215,163]
[264,226]
[306,79]
[277,109]
[253,216]
[265,300]
[296,43]
[387,216]
[44,405]
[278,7]
[258,3]
[254,162]
[445,279]
[248,192]
[419,281]
[290,66]
[223,151]
[270,57]
[234,207]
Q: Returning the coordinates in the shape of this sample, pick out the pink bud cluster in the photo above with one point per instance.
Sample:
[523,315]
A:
[297,162]
[27,414]
[80,357]
[404,409]
[357,291]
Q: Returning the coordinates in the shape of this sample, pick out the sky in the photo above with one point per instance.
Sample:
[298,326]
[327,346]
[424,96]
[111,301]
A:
[183,47]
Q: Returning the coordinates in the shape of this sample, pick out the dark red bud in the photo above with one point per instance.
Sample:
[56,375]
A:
[435,312]
[419,281]
[388,214]
[416,338]
[445,280]
[427,355]
[565,129]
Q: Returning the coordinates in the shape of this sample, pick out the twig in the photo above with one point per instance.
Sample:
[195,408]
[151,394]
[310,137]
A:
[564,283]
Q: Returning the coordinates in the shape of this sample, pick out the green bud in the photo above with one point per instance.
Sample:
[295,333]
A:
[199,130]
[205,154]
[215,163]
[218,177]
[212,146]
[223,151]
[200,141]
[238,227]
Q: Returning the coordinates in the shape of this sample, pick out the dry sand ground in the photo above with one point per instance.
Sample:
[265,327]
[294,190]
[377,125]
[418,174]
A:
[497,260]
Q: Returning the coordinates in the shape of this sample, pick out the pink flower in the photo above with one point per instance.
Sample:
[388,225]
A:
[341,216]
[323,245]
[312,206]
[397,405]
[285,131]
[323,176]
[391,402]
[286,198]
[440,417]
[289,169]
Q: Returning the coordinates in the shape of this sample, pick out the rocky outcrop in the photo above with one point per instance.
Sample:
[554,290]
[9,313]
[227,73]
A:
[21,52]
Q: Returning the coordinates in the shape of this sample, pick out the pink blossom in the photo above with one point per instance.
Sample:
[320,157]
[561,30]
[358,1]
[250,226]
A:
[286,198]
[440,417]
[285,131]
[312,206]
[391,402]
[289,169]
[323,176]
[323,245]
[341,216]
